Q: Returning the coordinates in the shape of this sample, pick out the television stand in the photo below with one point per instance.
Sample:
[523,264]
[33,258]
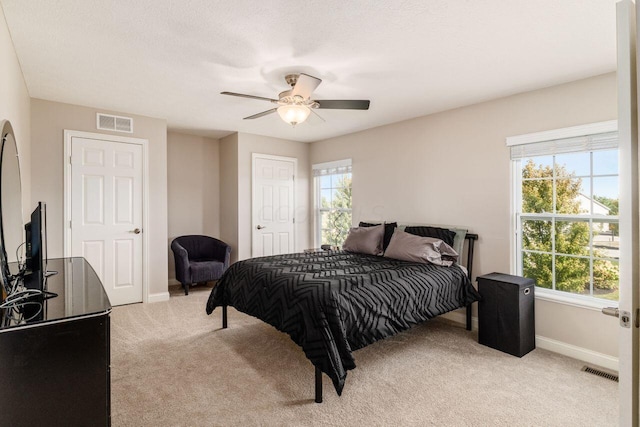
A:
[55,368]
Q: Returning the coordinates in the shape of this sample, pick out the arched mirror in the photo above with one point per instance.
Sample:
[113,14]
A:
[11,225]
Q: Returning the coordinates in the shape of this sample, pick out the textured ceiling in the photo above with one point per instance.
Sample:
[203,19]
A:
[171,59]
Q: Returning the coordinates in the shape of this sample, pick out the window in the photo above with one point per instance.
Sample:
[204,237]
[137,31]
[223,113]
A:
[333,201]
[566,193]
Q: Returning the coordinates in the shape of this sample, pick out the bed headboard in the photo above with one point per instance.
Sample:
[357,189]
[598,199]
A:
[471,240]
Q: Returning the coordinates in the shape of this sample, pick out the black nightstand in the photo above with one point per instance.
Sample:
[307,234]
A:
[506,313]
[323,248]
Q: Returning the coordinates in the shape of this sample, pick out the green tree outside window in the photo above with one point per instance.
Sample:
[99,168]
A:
[336,213]
[572,237]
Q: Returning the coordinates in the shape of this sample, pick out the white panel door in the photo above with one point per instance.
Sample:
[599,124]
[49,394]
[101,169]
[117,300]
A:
[273,205]
[629,211]
[106,212]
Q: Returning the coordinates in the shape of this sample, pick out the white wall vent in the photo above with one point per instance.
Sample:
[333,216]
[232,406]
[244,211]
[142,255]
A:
[115,123]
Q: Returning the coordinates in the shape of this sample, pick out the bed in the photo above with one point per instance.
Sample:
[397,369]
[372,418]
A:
[332,303]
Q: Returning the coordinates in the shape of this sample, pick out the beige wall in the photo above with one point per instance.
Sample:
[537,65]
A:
[48,122]
[16,107]
[249,144]
[229,193]
[454,168]
[193,187]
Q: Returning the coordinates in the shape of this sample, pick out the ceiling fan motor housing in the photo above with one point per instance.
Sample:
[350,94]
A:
[285,98]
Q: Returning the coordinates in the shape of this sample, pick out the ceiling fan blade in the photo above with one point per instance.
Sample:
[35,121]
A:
[241,95]
[305,86]
[264,113]
[345,104]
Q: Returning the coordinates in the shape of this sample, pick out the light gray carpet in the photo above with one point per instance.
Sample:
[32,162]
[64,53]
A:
[172,365]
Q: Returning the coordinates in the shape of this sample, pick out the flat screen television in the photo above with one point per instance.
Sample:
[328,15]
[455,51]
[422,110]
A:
[26,304]
[36,251]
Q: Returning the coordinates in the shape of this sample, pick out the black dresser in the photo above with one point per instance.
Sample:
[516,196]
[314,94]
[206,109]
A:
[506,313]
[55,368]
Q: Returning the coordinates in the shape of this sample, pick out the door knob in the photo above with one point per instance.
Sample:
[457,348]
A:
[624,316]
[260,227]
[137,231]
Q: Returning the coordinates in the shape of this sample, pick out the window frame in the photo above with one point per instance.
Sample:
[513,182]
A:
[317,200]
[515,241]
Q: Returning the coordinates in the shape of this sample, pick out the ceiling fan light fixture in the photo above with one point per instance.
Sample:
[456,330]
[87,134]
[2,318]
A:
[294,114]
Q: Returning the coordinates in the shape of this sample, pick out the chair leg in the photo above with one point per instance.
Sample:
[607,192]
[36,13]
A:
[224,317]
[186,288]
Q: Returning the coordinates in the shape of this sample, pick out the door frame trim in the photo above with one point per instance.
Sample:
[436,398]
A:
[68,136]
[627,90]
[294,160]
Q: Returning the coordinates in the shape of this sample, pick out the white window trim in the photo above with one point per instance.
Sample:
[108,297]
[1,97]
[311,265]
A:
[333,164]
[573,300]
[514,243]
[570,132]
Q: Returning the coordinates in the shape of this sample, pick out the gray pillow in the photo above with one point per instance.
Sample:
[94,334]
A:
[458,241]
[365,240]
[409,247]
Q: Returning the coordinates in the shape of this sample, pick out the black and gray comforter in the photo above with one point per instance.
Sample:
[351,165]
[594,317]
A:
[332,303]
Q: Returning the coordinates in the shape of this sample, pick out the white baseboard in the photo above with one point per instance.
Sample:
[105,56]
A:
[162,296]
[580,353]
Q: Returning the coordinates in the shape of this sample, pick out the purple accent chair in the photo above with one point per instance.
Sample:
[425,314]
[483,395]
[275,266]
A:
[199,259]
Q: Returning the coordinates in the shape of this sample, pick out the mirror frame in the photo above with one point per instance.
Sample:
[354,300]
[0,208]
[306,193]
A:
[6,278]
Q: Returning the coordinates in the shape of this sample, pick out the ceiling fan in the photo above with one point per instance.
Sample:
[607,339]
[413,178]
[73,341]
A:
[295,104]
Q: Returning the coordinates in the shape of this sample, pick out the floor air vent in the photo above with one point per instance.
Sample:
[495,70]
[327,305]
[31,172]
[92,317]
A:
[600,373]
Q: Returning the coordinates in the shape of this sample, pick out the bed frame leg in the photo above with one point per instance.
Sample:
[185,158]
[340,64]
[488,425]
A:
[224,317]
[318,385]
[471,239]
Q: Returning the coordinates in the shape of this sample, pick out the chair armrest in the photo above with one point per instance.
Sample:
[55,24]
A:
[227,257]
[221,252]
[181,257]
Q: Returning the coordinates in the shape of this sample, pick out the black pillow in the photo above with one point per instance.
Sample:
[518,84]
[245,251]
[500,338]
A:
[388,231]
[443,234]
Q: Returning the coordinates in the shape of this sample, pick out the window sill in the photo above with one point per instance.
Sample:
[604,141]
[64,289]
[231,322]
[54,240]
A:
[574,300]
